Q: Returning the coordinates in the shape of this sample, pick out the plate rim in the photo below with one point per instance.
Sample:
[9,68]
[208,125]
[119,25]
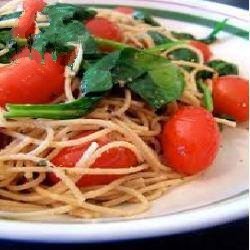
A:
[206,216]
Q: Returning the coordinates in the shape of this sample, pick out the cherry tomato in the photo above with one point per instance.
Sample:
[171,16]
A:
[230,96]
[190,140]
[29,80]
[113,158]
[125,10]
[103,28]
[204,48]
[26,23]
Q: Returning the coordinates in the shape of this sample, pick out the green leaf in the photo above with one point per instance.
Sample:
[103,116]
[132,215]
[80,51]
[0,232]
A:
[7,41]
[66,27]
[91,79]
[160,86]
[10,16]
[184,55]
[62,12]
[62,111]
[158,38]
[183,36]
[207,95]
[212,37]
[145,17]
[223,67]
[153,77]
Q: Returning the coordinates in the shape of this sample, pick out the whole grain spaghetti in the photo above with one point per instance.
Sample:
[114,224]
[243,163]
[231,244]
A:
[29,146]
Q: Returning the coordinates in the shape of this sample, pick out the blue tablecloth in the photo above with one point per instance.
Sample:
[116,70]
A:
[232,236]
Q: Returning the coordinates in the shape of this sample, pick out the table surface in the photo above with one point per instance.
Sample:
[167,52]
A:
[232,236]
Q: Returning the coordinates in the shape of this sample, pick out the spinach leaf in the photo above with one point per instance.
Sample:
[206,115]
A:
[183,54]
[7,41]
[68,12]
[183,36]
[212,37]
[154,78]
[160,86]
[145,17]
[93,81]
[223,67]
[158,38]
[207,95]
[65,27]
[60,111]
[11,16]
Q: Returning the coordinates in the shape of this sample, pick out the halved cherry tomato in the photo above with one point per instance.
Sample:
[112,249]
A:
[26,23]
[113,158]
[190,140]
[204,48]
[125,10]
[230,96]
[103,28]
[29,80]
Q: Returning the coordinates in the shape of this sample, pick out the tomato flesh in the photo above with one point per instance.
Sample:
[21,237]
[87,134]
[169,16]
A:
[32,81]
[230,96]
[103,28]
[125,10]
[204,48]
[113,158]
[190,140]
[26,23]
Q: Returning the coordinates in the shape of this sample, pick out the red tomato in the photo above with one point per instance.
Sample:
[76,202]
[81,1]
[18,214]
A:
[125,10]
[230,96]
[204,48]
[103,28]
[33,6]
[113,158]
[190,140]
[27,80]
[26,23]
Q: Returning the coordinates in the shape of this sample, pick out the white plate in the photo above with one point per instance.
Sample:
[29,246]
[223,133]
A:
[220,195]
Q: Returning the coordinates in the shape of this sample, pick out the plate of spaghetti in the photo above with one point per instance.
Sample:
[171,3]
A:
[121,121]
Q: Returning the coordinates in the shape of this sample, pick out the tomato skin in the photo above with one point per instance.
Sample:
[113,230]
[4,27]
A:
[204,48]
[103,28]
[113,158]
[29,80]
[230,96]
[26,23]
[125,10]
[190,140]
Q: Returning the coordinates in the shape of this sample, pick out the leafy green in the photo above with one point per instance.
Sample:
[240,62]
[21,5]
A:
[183,36]
[7,41]
[65,28]
[145,17]
[207,95]
[212,37]
[68,12]
[184,54]
[223,67]
[60,111]
[154,78]
[158,38]
[160,86]
[10,16]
